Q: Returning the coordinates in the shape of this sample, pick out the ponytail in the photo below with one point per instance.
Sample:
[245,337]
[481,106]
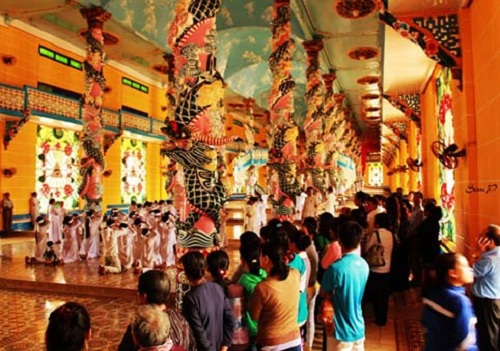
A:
[276,254]
[251,255]
[217,265]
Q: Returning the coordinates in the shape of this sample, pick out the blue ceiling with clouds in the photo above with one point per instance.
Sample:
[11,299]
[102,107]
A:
[244,42]
[244,39]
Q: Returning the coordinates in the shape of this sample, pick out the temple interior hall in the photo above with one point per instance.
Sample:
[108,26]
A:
[214,105]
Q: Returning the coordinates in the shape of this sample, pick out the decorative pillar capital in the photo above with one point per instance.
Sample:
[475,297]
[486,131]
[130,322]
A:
[329,78]
[313,47]
[95,16]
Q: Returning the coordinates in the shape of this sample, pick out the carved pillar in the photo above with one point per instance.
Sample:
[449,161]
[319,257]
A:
[249,119]
[328,132]
[196,133]
[313,124]
[92,163]
[283,173]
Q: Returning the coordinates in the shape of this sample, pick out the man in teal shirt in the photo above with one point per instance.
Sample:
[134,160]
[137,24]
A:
[343,285]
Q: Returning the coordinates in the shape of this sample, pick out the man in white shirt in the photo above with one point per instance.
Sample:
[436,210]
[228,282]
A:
[310,204]
[331,198]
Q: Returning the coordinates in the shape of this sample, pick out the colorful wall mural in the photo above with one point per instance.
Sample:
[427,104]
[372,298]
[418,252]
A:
[133,171]
[375,174]
[446,135]
[57,166]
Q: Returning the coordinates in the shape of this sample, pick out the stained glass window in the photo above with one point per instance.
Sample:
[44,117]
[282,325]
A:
[57,166]
[133,171]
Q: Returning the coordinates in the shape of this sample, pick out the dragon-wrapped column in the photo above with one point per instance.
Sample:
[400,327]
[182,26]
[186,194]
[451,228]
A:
[195,133]
[329,134]
[92,163]
[314,122]
[283,132]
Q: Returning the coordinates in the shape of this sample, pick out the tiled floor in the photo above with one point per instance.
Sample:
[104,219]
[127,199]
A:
[30,293]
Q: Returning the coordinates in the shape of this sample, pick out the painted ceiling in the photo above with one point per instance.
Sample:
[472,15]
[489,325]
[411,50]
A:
[355,43]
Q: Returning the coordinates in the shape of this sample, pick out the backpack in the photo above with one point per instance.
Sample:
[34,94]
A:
[374,256]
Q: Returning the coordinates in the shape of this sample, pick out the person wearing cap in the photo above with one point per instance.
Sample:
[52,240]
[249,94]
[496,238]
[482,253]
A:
[110,247]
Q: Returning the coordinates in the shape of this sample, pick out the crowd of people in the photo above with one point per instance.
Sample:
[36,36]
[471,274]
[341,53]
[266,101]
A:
[291,276]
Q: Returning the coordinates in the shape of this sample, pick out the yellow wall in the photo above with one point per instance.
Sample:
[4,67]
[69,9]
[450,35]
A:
[430,170]
[404,176]
[112,184]
[21,156]
[30,69]
[153,173]
[412,150]
[477,126]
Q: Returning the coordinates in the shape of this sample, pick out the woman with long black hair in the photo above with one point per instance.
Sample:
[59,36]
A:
[272,306]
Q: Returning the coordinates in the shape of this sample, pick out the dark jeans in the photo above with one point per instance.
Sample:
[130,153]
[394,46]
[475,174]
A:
[488,323]
[378,290]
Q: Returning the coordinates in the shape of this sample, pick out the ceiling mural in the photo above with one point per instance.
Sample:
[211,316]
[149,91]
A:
[368,57]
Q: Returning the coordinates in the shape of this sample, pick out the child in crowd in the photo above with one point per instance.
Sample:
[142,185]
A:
[90,246]
[125,246]
[70,242]
[49,256]
[211,323]
[448,317]
[154,289]
[299,242]
[41,237]
[137,242]
[167,238]
[68,328]
[110,237]
[149,257]
[218,265]
[252,275]
[247,239]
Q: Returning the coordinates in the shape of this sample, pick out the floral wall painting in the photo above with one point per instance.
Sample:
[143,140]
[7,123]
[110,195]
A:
[133,171]
[57,166]
[375,174]
[446,135]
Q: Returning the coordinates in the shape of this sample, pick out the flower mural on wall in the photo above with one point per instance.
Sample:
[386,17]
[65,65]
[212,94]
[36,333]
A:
[133,171]
[56,166]
[446,134]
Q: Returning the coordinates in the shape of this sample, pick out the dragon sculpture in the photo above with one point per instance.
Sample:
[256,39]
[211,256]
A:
[284,132]
[92,164]
[195,132]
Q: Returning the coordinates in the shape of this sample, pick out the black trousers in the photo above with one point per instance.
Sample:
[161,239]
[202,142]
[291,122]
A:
[378,290]
[488,323]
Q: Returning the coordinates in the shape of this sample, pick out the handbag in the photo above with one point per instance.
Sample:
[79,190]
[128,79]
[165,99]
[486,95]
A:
[374,256]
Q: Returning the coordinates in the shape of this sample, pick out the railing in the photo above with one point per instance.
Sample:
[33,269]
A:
[15,101]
